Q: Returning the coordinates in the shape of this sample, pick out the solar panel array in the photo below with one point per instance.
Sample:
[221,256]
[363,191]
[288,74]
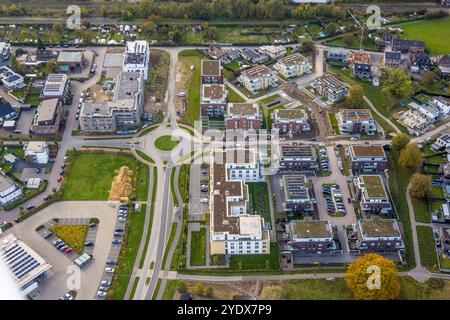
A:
[19,261]
[296,188]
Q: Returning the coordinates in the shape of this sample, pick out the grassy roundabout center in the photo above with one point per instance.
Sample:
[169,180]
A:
[166,143]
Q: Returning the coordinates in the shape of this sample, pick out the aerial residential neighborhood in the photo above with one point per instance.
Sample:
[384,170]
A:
[224,150]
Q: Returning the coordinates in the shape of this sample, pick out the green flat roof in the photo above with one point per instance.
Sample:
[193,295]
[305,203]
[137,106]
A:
[374,186]
[311,229]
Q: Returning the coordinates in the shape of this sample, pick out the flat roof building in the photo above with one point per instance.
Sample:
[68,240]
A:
[48,117]
[243,116]
[297,195]
[211,72]
[330,88]
[137,57]
[213,100]
[355,121]
[368,158]
[258,78]
[293,66]
[290,121]
[9,191]
[372,193]
[298,158]
[26,266]
[56,86]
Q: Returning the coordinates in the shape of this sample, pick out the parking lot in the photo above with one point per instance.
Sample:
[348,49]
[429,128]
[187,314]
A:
[198,206]
[114,252]
[57,282]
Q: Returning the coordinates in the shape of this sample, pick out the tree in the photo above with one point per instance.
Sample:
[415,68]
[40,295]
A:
[373,277]
[307,45]
[398,85]
[410,157]
[420,186]
[348,39]
[209,291]
[40,45]
[355,98]
[181,287]
[429,77]
[331,28]
[400,141]
[198,289]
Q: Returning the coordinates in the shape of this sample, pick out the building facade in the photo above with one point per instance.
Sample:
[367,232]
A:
[137,57]
[353,121]
[48,117]
[293,66]
[258,78]
[367,158]
[243,116]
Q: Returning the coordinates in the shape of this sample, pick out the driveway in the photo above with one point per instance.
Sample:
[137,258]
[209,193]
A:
[196,208]
[55,286]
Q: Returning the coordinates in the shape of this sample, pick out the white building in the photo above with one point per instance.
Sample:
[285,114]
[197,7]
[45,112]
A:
[330,88]
[56,86]
[293,66]
[5,51]
[233,230]
[9,192]
[442,103]
[427,110]
[242,164]
[137,57]
[274,52]
[27,267]
[36,152]
[258,78]
[10,79]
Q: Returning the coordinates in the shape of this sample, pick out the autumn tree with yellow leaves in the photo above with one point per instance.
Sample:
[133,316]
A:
[373,277]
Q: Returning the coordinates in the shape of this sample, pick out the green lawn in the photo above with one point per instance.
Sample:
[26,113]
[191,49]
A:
[166,143]
[260,200]
[334,123]
[269,115]
[257,262]
[92,174]
[398,182]
[192,85]
[128,253]
[171,288]
[368,43]
[183,181]
[145,156]
[172,188]
[17,151]
[421,211]
[433,32]
[198,247]
[233,96]
[427,248]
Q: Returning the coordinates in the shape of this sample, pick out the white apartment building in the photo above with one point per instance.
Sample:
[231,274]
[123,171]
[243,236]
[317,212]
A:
[9,192]
[258,78]
[330,88]
[137,57]
[242,164]
[10,79]
[427,110]
[354,121]
[274,52]
[36,152]
[293,66]
[233,230]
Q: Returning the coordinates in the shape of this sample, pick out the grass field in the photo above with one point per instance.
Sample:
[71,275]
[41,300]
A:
[92,174]
[198,247]
[269,115]
[188,58]
[421,211]
[72,235]
[233,96]
[260,200]
[334,123]
[433,32]
[254,262]
[128,253]
[427,248]
[166,143]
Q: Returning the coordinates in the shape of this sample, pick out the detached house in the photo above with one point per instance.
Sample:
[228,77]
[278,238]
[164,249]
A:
[444,66]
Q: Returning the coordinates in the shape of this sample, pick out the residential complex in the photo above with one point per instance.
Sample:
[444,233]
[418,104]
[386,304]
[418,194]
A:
[375,236]
[137,57]
[123,111]
[48,117]
[10,79]
[367,158]
[55,86]
[372,194]
[232,229]
[293,66]
[243,116]
[36,152]
[290,121]
[258,78]
[213,100]
[9,191]
[211,72]
[330,88]
[298,158]
[297,195]
[353,121]
[311,238]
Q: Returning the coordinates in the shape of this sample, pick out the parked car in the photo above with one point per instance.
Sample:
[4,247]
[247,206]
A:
[118,234]
[204,200]
[105,283]
[119,229]
[101,294]
[92,225]
[47,234]
[89,244]
[69,250]
[68,296]
[116,241]
[56,242]
[111,262]
[109,270]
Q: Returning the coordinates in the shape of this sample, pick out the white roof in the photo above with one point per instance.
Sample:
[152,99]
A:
[250,225]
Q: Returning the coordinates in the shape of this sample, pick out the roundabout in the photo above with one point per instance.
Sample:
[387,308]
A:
[166,143]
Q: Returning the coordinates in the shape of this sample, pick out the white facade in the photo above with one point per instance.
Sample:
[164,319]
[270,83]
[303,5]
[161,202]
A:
[274,52]
[137,57]
[293,66]
[9,192]
[37,152]
[258,78]
[442,104]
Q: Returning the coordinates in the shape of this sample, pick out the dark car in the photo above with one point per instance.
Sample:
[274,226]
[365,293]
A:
[116,241]
[89,244]
[119,230]
[111,262]
[31,206]
[92,225]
